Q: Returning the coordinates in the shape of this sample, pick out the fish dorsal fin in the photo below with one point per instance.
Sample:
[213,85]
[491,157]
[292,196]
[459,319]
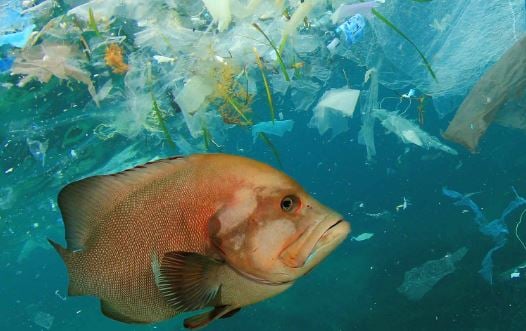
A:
[188,281]
[83,203]
[202,320]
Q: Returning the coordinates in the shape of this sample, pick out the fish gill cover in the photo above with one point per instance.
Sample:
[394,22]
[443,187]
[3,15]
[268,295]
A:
[314,87]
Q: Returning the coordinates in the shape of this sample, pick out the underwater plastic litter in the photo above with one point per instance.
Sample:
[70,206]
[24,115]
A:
[496,229]
[460,40]
[81,88]
[420,280]
[503,82]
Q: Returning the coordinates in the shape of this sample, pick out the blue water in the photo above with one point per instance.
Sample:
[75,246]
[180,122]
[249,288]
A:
[47,141]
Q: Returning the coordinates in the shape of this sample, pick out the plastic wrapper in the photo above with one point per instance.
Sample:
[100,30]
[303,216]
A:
[420,280]
[409,132]
[504,81]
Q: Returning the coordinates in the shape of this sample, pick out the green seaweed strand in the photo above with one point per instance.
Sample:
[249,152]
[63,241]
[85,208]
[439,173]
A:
[273,148]
[157,111]
[267,86]
[280,59]
[393,27]
[92,23]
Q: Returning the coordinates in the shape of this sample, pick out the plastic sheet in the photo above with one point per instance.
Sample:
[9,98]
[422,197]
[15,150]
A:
[503,82]
[420,280]
[332,109]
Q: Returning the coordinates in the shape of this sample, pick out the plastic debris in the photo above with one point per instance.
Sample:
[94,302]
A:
[38,149]
[366,133]
[420,280]
[333,107]
[46,60]
[348,10]
[352,29]
[276,128]
[363,236]
[502,82]
[6,63]
[409,132]
[496,229]
[43,319]
[17,39]
[439,29]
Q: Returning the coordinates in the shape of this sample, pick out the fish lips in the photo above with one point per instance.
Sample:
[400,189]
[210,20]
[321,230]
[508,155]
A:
[315,243]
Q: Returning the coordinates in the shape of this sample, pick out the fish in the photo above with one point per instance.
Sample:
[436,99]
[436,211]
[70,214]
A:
[214,231]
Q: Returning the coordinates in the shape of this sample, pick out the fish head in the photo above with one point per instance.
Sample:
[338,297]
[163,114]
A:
[272,231]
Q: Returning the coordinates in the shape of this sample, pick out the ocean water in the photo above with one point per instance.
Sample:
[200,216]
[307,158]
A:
[52,133]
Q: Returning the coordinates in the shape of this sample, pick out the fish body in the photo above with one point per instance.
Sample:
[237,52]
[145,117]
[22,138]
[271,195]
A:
[182,234]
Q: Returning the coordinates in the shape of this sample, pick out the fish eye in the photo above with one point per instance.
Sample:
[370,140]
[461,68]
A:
[290,203]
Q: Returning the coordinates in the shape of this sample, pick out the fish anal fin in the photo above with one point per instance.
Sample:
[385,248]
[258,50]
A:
[188,281]
[83,203]
[110,311]
[202,320]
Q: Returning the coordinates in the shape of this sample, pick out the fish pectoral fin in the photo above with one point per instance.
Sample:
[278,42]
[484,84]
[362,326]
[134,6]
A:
[188,281]
[110,311]
[202,320]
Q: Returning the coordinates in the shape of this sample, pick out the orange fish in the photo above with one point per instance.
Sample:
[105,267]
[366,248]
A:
[182,234]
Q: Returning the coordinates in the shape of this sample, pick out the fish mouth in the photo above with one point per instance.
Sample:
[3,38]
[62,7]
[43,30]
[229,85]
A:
[323,237]
[338,230]
[329,240]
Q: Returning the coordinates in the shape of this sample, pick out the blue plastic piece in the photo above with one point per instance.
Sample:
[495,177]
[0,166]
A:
[17,39]
[11,20]
[6,63]
[465,200]
[352,29]
[276,128]
[496,229]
